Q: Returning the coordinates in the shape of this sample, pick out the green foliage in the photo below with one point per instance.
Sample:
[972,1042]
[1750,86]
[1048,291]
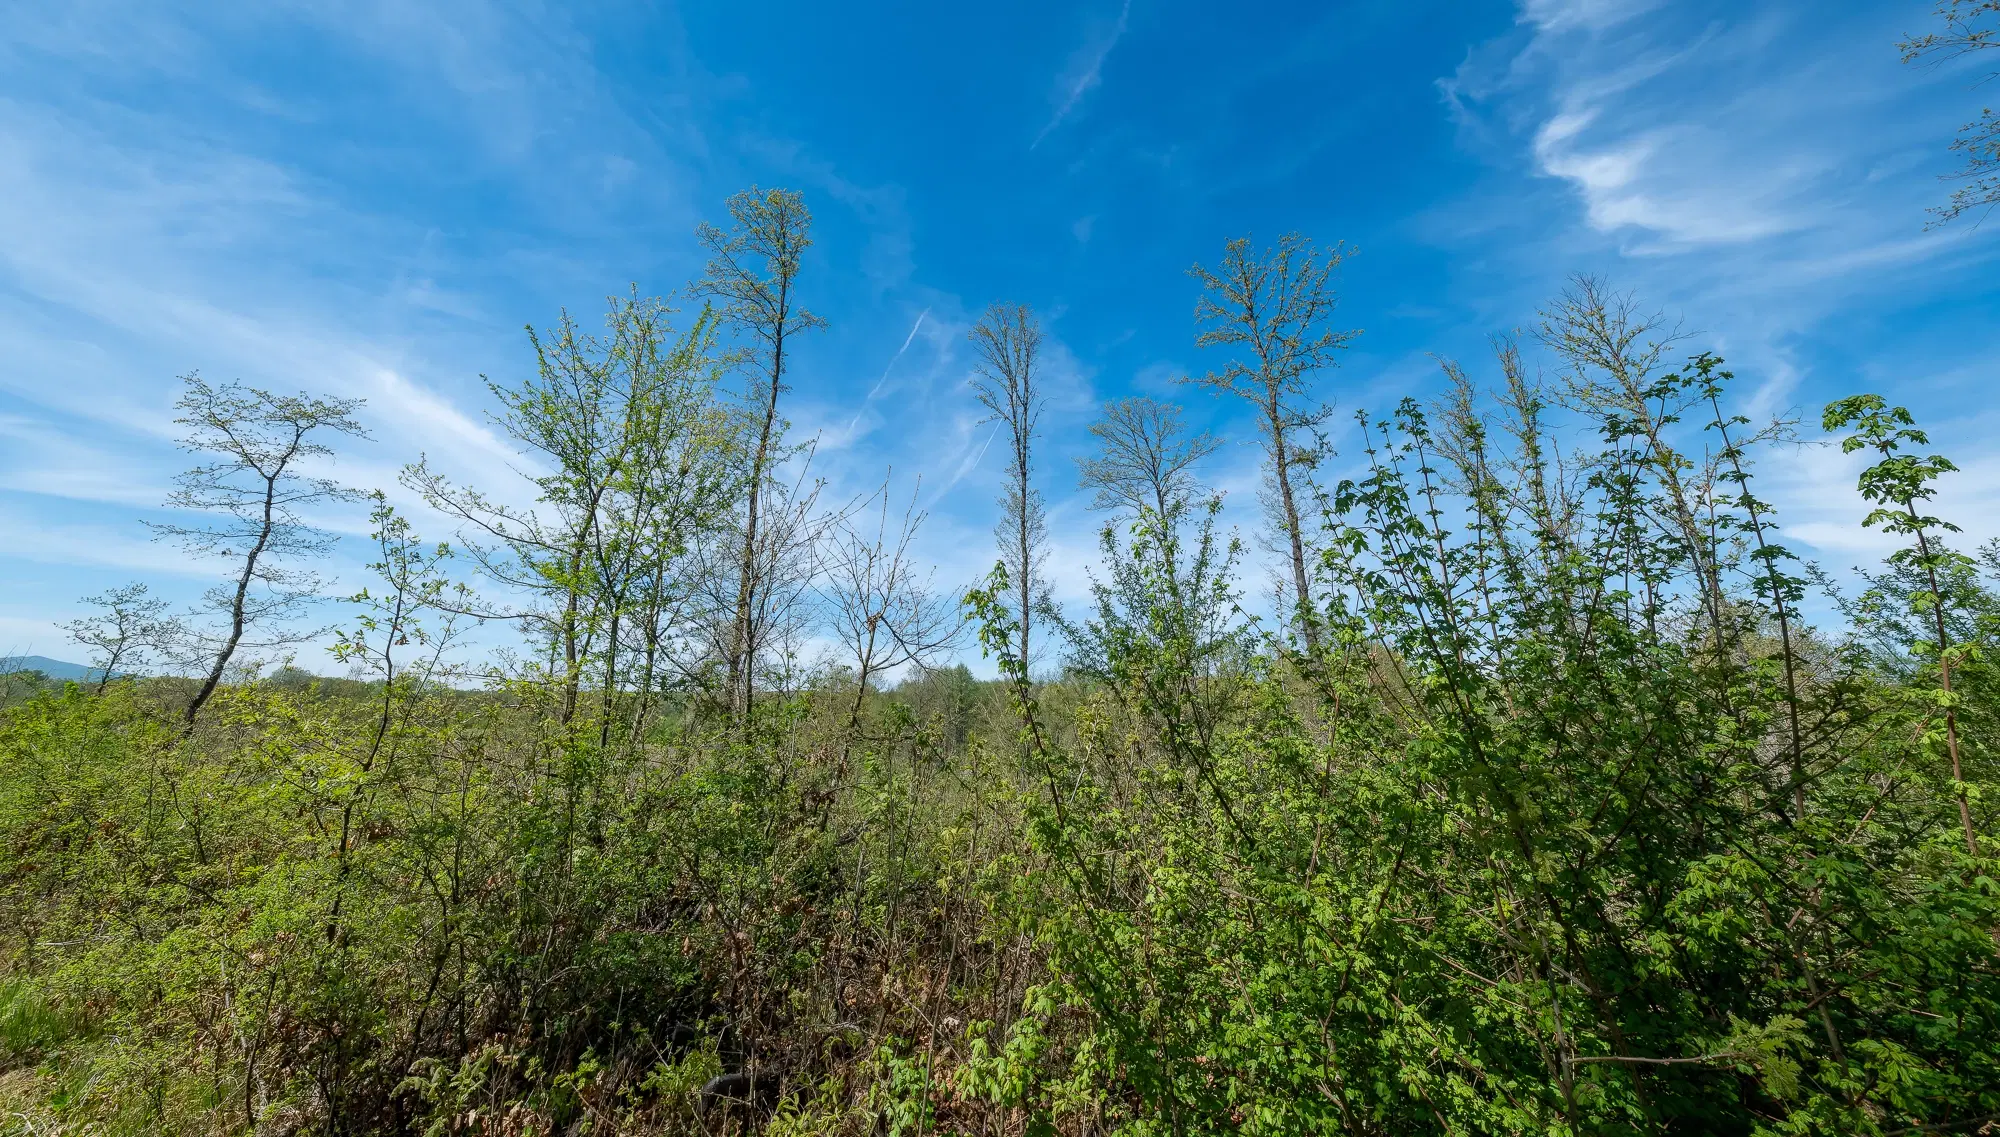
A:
[1518,851]
[1545,813]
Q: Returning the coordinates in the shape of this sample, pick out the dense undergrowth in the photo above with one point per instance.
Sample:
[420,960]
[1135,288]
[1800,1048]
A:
[1551,815]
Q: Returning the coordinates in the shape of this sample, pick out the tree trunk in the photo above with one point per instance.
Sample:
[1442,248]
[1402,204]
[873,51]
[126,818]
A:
[1026,585]
[238,602]
[1944,681]
[743,652]
[110,664]
[1281,465]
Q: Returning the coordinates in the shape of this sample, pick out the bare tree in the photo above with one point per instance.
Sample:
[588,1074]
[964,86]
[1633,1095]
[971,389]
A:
[129,623]
[1144,468]
[783,567]
[752,277]
[1613,354]
[1007,345]
[1145,455]
[882,604]
[254,494]
[1970,26]
[1273,307]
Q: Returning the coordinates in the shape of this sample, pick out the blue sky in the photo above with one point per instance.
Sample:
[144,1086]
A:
[372,199]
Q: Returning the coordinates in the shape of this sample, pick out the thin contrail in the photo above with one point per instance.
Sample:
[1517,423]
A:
[1090,78]
[966,466]
[877,388]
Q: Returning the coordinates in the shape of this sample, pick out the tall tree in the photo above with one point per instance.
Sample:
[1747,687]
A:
[1969,26]
[254,496]
[752,277]
[1271,309]
[1007,344]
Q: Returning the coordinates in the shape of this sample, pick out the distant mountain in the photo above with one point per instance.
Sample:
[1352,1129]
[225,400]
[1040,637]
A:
[53,668]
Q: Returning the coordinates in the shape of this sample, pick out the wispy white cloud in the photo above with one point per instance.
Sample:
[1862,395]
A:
[1085,72]
[1818,485]
[1749,171]
[123,547]
[1676,132]
[1561,15]
[1732,163]
[419,413]
[39,456]
[141,238]
[1640,181]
